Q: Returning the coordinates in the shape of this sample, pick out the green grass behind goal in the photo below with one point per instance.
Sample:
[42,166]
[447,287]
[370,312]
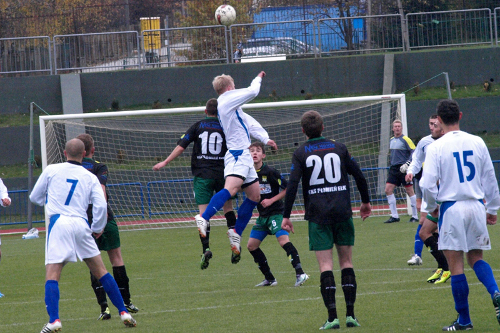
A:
[174,295]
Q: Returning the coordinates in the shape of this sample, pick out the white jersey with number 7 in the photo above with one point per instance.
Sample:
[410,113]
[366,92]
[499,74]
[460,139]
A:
[68,189]
[462,164]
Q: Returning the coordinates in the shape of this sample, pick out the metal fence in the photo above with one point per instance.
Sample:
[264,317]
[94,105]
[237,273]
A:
[496,23]
[181,46]
[284,39]
[151,197]
[25,55]
[111,51]
[96,52]
[360,34]
[452,28]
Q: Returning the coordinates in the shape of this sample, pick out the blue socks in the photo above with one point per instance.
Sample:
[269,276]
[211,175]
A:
[111,288]
[244,215]
[216,203]
[485,275]
[52,299]
[460,291]
[419,244]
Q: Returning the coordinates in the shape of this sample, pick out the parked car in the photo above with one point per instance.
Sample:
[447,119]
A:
[277,47]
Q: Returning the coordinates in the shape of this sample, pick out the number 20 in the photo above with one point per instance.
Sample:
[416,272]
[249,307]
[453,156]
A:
[331,163]
[468,164]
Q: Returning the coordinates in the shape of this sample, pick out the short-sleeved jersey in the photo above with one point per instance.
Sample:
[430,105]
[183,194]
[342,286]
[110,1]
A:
[324,166]
[401,149]
[418,156]
[209,149]
[271,183]
[462,164]
[101,171]
[68,189]
[237,125]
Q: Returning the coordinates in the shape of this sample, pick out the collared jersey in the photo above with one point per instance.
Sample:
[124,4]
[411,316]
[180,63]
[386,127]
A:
[236,124]
[401,149]
[209,148]
[68,189]
[418,156]
[101,171]
[462,164]
[270,182]
[324,166]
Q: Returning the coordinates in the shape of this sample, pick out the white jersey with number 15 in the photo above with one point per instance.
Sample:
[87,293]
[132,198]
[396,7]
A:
[462,164]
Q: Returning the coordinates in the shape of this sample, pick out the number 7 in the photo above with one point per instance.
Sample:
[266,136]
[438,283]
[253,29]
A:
[71,191]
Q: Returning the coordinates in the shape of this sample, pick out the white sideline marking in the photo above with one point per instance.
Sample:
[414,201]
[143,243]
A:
[229,305]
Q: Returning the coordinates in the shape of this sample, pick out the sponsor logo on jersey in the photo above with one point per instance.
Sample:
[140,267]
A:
[319,146]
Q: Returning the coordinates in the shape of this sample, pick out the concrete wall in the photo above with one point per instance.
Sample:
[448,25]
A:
[341,75]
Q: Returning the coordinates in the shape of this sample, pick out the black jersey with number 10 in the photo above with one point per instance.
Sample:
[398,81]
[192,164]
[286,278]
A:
[324,166]
[209,148]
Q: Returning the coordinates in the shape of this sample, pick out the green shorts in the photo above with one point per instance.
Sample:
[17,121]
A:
[110,238]
[204,189]
[323,236]
[271,224]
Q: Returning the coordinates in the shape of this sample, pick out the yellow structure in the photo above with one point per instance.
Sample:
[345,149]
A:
[152,39]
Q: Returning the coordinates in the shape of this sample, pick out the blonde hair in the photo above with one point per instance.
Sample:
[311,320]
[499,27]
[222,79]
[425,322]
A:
[397,121]
[221,83]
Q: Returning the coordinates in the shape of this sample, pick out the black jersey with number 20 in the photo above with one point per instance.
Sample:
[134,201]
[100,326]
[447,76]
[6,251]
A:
[324,166]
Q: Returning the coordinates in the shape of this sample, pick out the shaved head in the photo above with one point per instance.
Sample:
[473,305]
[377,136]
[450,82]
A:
[74,150]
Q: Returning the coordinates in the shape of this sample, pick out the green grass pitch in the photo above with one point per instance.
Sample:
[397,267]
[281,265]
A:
[174,295]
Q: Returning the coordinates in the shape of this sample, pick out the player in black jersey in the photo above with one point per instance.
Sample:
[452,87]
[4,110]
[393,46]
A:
[109,240]
[207,167]
[270,207]
[324,166]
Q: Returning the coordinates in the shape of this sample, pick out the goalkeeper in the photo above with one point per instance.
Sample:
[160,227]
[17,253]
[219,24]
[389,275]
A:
[401,148]
[110,239]
[207,167]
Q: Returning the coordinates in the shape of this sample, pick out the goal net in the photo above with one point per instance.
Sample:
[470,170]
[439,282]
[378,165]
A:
[131,142]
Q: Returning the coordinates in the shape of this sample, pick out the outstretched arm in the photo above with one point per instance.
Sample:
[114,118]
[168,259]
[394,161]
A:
[173,155]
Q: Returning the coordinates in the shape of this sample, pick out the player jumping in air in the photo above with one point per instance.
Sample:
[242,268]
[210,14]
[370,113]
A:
[239,171]
[207,167]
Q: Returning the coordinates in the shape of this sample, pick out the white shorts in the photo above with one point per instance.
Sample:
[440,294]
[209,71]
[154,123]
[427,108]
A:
[68,238]
[240,163]
[462,226]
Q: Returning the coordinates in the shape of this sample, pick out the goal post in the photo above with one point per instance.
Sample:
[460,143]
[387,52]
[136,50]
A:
[131,142]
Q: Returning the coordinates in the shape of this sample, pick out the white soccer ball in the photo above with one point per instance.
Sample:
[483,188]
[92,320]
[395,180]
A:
[225,15]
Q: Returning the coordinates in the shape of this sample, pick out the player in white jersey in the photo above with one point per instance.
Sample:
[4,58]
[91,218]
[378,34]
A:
[427,227]
[239,171]
[462,165]
[4,202]
[66,190]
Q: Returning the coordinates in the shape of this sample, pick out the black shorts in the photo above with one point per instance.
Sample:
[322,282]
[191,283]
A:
[396,177]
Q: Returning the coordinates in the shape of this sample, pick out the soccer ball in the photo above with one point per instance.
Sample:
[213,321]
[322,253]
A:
[225,15]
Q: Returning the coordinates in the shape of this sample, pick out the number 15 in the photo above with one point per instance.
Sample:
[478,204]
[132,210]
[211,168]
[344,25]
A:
[468,164]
